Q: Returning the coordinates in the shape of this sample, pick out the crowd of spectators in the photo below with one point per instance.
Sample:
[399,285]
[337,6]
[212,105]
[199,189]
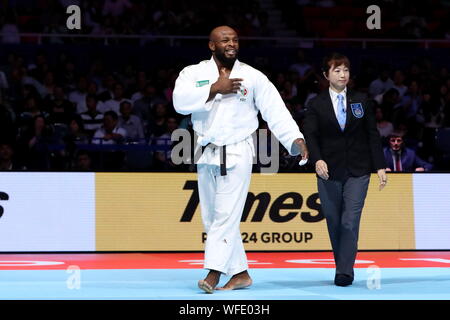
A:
[57,115]
[48,110]
[53,117]
[130,17]
[412,19]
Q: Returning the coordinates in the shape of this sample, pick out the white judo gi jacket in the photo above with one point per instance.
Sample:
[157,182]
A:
[231,118]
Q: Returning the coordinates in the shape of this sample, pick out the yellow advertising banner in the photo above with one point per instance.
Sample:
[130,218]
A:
[161,212]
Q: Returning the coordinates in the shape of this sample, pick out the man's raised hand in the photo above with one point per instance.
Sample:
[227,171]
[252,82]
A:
[224,84]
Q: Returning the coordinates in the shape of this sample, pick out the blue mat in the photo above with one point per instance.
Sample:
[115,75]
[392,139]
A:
[181,284]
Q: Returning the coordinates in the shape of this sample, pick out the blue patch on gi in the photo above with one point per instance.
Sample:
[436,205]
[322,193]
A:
[357,110]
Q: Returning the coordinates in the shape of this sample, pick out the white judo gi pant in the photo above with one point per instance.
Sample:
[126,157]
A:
[222,200]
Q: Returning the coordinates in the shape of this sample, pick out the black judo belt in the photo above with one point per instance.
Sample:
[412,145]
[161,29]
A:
[223,157]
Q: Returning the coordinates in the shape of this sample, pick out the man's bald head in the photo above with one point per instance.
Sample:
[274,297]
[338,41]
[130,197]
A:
[218,32]
[224,45]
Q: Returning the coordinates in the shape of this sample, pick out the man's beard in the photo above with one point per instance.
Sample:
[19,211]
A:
[226,62]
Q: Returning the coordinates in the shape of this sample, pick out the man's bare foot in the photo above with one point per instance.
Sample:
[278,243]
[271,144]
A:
[238,281]
[210,282]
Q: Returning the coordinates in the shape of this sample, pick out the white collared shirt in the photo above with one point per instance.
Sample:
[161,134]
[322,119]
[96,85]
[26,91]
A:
[231,118]
[100,134]
[335,99]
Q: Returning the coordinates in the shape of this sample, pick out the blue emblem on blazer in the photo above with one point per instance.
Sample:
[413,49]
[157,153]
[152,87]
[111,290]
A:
[357,110]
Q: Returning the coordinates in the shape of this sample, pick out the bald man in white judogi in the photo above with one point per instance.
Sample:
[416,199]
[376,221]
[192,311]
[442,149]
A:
[224,96]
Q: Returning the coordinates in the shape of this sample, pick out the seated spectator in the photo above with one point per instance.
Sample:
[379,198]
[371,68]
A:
[60,109]
[114,104]
[385,127]
[411,100]
[289,91]
[399,82]
[169,87]
[36,144]
[68,76]
[400,158]
[158,124]
[92,90]
[110,132]
[32,109]
[164,143]
[83,161]
[380,85]
[141,82]
[78,96]
[49,84]
[390,105]
[107,90]
[433,108]
[76,133]
[92,119]
[432,113]
[303,69]
[8,128]
[280,79]
[131,123]
[22,94]
[7,160]
[143,107]
[75,136]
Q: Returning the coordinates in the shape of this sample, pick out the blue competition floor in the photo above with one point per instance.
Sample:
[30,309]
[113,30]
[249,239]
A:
[181,284]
